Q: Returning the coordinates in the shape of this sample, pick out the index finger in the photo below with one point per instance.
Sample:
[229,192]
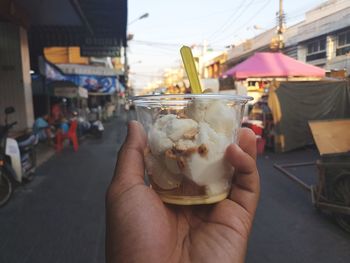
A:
[130,169]
[246,184]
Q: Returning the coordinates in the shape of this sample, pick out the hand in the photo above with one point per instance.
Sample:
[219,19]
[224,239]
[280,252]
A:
[141,228]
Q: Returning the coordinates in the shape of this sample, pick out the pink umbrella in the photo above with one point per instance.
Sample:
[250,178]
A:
[266,64]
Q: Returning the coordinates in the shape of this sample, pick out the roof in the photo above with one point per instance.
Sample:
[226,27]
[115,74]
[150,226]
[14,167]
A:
[266,64]
[75,22]
[98,27]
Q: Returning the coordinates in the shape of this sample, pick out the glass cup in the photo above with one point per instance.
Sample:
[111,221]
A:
[187,138]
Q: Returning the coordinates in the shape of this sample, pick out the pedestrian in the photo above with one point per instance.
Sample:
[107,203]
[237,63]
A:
[141,228]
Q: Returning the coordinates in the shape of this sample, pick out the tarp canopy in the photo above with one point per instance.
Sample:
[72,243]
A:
[294,104]
[265,64]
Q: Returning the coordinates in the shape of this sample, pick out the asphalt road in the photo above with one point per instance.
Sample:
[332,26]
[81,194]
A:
[287,227]
[59,217]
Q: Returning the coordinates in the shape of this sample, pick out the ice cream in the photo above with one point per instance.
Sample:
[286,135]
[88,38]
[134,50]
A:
[187,147]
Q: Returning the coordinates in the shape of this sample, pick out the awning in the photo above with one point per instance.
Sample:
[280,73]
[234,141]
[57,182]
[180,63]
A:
[265,64]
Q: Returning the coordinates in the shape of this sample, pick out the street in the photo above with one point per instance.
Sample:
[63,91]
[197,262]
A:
[59,217]
[287,227]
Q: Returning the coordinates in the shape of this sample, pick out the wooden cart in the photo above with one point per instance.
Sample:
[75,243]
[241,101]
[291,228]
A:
[332,191]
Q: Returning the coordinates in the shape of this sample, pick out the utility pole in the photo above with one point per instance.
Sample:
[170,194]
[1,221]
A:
[280,19]
[126,64]
[277,42]
[281,28]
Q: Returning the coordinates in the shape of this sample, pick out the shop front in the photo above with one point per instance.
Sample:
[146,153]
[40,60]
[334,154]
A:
[89,87]
[28,26]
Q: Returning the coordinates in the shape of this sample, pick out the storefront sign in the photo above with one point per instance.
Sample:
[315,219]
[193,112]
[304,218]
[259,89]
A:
[100,47]
[68,92]
[92,83]
[97,51]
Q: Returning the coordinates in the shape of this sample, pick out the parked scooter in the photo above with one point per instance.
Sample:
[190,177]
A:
[96,128]
[90,125]
[17,158]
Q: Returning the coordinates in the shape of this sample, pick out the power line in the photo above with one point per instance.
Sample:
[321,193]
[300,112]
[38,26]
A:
[236,30]
[152,43]
[169,46]
[199,18]
[156,50]
[229,22]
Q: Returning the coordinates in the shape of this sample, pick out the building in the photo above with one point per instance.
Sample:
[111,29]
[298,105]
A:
[242,51]
[321,39]
[98,27]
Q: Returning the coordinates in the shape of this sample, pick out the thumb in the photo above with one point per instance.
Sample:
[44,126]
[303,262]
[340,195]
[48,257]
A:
[129,170]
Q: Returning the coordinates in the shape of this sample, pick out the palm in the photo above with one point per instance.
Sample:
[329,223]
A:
[170,233]
[147,230]
[204,233]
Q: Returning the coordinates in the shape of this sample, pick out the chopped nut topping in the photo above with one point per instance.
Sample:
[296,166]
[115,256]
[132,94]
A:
[203,150]
[182,150]
[179,149]
[170,154]
[181,162]
[190,134]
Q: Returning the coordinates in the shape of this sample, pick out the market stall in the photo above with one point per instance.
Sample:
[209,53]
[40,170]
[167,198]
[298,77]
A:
[262,75]
[258,71]
[273,65]
[68,102]
[100,83]
[68,96]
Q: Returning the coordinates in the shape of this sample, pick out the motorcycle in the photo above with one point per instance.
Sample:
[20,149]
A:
[96,128]
[17,158]
[90,125]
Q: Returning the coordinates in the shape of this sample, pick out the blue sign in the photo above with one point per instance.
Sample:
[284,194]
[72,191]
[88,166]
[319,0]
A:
[93,83]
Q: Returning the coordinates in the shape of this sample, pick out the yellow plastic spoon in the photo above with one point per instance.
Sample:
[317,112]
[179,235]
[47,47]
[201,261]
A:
[190,67]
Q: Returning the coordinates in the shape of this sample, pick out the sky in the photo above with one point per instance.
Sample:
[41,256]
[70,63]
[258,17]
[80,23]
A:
[173,23]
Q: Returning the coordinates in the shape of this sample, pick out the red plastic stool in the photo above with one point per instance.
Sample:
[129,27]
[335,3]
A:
[71,135]
[257,129]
